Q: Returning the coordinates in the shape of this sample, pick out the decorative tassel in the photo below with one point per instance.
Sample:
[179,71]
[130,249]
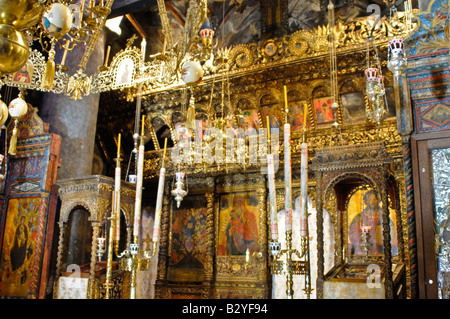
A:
[190,116]
[13,141]
[49,73]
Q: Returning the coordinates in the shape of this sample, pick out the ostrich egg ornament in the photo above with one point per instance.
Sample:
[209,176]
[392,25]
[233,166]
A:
[192,72]
[57,20]
[18,108]
[14,50]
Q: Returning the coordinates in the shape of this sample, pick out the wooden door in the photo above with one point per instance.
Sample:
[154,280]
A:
[431,174]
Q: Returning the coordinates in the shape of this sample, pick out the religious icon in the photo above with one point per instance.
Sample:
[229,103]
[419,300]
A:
[125,72]
[249,121]
[296,115]
[24,75]
[188,244]
[368,219]
[353,107]
[323,112]
[238,230]
[18,268]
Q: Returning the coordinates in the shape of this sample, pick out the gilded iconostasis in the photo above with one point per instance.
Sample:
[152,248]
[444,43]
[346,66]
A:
[243,149]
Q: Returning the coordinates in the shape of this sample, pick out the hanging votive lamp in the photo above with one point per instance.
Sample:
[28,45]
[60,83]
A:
[179,192]
[207,35]
[17,109]
[56,21]
[100,247]
[372,74]
[396,62]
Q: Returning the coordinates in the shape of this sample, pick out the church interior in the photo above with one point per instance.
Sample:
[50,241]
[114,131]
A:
[225,149]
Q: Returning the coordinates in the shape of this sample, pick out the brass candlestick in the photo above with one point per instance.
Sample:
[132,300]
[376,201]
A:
[134,258]
[108,283]
[292,267]
[114,222]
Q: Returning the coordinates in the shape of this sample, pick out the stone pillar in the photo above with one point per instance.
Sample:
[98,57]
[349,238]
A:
[75,121]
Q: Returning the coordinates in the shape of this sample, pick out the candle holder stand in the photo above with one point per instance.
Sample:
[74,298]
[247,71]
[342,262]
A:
[292,267]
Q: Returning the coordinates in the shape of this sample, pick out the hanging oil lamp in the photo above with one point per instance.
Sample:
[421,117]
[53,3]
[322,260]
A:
[100,247]
[397,62]
[179,191]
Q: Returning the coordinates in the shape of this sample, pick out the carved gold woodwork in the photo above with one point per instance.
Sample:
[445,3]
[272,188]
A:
[301,62]
[94,194]
[340,169]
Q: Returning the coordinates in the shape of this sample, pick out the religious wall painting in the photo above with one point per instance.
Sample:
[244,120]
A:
[364,211]
[296,115]
[24,76]
[188,240]
[22,247]
[238,224]
[322,111]
[249,120]
[353,107]
[271,108]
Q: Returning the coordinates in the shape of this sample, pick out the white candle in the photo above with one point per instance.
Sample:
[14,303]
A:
[116,197]
[139,181]
[287,168]
[287,178]
[304,190]
[159,196]
[272,200]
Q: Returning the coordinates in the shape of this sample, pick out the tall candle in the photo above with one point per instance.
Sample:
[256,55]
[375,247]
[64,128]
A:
[116,197]
[272,194]
[139,181]
[304,190]
[158,209]
[272,198]
[287,171]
